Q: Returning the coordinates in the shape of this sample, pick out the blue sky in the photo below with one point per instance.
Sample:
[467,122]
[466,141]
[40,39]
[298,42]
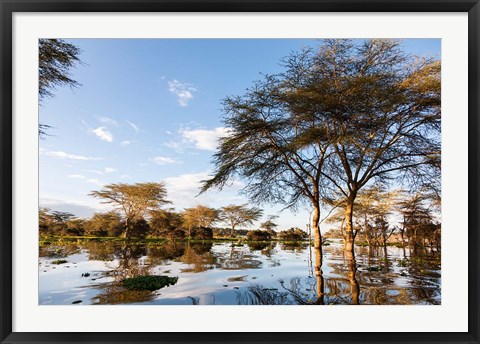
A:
[150,110]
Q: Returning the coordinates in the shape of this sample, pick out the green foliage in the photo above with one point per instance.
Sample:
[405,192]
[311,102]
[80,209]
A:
[373,268]
[150,283]
[59,261]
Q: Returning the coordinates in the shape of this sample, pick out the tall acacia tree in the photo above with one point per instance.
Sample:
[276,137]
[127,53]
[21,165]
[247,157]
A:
[134,200]
[340,117]
[276,143]
[199,216]
[384,107]
[239,215]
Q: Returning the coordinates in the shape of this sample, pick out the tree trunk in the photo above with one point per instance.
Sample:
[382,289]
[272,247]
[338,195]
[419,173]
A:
[317,241]
[352,270]
[349,237]
[319,276]
[317,244]
[126,234]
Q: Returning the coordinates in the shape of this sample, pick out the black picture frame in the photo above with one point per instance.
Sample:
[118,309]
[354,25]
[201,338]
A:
[9,7]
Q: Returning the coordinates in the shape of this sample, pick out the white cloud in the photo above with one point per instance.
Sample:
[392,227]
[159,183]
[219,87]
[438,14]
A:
[103,134]
[134,126]
[176,146]
[183,191]
[186,182]
[164,160]
[107,120]
[63,155]
[205,139]
[183,91]
[125,176]
[125,143]
[105,170]
[81,209]
[76,176]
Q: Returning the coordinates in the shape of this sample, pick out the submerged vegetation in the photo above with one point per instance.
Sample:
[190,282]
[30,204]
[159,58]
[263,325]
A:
[150,283]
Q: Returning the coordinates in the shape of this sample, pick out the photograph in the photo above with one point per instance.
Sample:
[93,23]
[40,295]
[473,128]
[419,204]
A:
[240,171]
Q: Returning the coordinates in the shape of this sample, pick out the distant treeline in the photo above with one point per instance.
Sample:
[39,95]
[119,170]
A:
[166,224]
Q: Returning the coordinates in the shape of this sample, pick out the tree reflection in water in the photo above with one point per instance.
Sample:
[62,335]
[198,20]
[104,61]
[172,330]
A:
[370,275]
[306,291]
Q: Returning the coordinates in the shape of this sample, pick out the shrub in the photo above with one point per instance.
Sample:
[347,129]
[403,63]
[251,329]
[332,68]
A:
[202,233]
[150,283]
[293,234]
[259,235]
[174,234]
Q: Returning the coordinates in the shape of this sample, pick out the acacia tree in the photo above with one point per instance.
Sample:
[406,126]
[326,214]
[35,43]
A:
[418,221]
[374,205]
[163,222]
[339,118]
[56,57]
[384,107]
[199,217]
[269,224]
[104,224]
[239,215]
[134,200]
[276,143]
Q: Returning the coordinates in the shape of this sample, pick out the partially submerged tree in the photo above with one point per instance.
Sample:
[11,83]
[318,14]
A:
[339,118]
[55,59]
[133,200]
[374,205]
[418,221]
[239,215]
[384,106]
[276,143]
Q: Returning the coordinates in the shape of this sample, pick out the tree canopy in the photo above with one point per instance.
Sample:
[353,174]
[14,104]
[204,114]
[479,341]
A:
[134,200]
[239,215]
[55,60]
[199,217]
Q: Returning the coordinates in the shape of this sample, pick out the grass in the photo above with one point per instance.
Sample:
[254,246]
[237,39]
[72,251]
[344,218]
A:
[149,283]
[59,261]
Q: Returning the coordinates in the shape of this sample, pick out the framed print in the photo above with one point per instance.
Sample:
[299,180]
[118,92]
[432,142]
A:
[239,171]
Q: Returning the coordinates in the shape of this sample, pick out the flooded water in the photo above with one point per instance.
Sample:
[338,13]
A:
[222,273]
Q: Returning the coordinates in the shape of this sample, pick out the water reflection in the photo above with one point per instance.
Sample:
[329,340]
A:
[264,273]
